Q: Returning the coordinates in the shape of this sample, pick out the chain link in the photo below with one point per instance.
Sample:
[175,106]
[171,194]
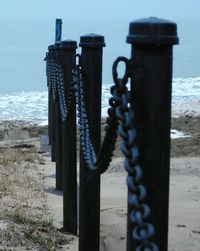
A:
[55,81]
[143,231]
[100,162]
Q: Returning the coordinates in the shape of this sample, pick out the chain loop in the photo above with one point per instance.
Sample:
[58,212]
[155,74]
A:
[143,231]
[100,162]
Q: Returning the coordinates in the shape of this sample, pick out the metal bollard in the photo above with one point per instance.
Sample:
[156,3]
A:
[68,50]
[51,108]
[152,40]
[89,210]
[58,135]
[51,105]
[50,99]
[58,33]
[51,115]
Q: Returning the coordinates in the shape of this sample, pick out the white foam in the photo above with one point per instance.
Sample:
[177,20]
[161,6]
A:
[33,106]
[184,88]
[30,106]
[186,108]
[178,134]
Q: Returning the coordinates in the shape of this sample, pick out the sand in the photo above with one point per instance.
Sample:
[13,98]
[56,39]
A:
[23,141]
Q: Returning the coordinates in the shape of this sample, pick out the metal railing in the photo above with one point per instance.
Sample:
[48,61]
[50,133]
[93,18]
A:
[140,116]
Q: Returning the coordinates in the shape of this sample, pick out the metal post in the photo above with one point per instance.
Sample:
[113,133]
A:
[68,50]
[51,115]
[58,135]
[152,40]
[51,109]
[49,100]
[58,34]
[89,211]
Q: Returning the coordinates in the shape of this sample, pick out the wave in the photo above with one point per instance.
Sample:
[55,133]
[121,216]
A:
[33,106]
[30,106]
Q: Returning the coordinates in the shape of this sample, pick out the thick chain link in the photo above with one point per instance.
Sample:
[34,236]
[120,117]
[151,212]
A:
[100,162]
[143,231]
[47,59]
[55,81]
[61,91]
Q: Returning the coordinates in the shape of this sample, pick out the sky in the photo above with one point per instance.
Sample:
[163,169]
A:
[75,10]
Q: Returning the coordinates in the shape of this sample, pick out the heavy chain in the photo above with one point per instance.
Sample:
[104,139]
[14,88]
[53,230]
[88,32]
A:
[100,162]
[121,117]
[143,231]
[55,81]
[53,77]
[47,59]
[61,93]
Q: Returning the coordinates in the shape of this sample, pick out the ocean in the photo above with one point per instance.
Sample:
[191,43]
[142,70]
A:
[23,44]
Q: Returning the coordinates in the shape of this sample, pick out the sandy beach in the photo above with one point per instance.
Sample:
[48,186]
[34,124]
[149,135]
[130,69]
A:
[31,208]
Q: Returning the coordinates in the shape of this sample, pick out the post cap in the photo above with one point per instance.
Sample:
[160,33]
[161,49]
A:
[92,40]
[152,31]
[59,20]
[68,44]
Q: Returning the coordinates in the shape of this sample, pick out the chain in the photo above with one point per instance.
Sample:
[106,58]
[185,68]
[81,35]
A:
[55,81]
[53,71]
[143,231]
[120,117]
[100,162]
[47,59]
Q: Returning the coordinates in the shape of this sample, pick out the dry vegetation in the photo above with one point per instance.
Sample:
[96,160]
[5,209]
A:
[25,221]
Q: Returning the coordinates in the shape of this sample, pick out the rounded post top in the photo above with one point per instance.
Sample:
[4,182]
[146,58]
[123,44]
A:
[68,44]
[153,31]
[59,20]
[92,40]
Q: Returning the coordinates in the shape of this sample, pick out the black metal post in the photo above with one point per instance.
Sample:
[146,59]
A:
[89,211]
[58,33]
[152,40]
[68,50]
[53,136]
[49,100]
[51,109]
[51,115]
[58,135]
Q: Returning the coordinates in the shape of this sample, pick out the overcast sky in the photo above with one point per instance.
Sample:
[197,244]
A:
[75,10]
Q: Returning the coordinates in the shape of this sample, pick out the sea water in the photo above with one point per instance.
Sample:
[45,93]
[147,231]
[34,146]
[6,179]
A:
[23,90]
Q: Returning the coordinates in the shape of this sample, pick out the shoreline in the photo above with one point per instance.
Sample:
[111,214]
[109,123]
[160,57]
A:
[181,146]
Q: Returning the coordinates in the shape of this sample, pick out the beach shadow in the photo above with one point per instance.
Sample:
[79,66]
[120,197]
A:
[54,191]
[45,147]
[51,176]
